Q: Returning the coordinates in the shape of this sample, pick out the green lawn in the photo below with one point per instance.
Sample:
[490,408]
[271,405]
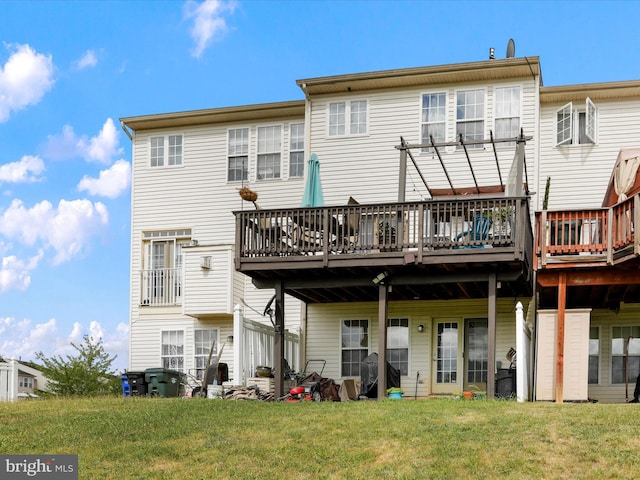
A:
[146,438]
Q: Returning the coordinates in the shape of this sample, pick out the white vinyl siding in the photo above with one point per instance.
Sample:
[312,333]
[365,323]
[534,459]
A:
[269,152]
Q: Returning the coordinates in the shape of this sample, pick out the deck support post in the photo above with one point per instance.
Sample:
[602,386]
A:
[491,333]
[278,343]
[562,302]
[382,340]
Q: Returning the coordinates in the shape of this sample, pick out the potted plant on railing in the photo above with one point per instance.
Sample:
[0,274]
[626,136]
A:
[386,234]
[502,218]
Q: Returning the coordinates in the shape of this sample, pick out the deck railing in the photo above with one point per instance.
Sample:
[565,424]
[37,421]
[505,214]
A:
[161,287]
[378,228]
[587,236]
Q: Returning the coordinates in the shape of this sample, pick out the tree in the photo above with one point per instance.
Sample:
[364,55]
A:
[86,374]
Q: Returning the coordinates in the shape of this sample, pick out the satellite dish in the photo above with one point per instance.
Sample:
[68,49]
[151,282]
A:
[511,48]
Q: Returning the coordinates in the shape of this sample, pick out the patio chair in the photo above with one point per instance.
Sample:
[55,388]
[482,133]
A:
[479,231]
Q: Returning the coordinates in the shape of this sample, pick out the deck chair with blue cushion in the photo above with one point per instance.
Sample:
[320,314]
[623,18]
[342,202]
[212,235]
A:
[479,231]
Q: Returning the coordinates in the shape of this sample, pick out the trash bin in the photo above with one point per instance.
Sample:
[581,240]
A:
[137,383]
[126,388]
[506,383]
[163,382]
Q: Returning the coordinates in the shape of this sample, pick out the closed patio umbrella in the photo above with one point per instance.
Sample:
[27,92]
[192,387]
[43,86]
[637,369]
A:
[313,188]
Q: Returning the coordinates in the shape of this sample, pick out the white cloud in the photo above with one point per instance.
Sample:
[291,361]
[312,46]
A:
[87,60]
[15,274]
[208,21]
[101,148]
[66,229]
[22,339]
[24,79]
[111,183]
[26,170]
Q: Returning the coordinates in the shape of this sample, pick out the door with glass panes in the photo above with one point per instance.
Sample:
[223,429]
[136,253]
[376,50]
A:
[446,375]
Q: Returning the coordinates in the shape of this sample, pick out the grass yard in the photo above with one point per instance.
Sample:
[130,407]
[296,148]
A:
[147,438]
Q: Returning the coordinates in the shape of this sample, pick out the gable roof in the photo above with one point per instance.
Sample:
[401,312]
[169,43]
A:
[423,76]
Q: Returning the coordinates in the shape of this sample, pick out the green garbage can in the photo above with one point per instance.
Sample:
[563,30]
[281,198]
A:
[162,382]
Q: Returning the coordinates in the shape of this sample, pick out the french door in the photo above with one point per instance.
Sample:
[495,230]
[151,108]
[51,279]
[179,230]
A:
[447,356]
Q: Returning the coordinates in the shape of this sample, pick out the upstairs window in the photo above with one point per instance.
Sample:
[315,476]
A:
[269,148]
[470,116]
[296,150]
[434,115]
[166,150]
[238,155]
[507,112]
[348,118]
[577,126]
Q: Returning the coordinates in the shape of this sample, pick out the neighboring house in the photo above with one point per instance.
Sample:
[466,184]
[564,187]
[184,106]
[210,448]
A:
[424,252]
[588,278]
[20,380]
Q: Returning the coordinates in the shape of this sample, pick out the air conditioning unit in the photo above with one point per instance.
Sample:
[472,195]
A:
[206,262]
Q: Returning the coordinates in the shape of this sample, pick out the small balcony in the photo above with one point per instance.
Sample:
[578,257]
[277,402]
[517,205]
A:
[587,238]
[440,248]
[161,287]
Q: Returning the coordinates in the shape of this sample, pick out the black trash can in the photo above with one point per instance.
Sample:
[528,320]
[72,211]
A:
[163,382]
[506,383]
[137,384]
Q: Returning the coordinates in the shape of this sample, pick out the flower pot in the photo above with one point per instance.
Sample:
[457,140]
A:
[395,395]
[469,395]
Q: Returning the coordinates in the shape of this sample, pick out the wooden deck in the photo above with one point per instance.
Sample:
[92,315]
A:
[437,249]
[597,252]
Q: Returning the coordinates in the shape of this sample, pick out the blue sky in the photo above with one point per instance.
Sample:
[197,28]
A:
[70,70]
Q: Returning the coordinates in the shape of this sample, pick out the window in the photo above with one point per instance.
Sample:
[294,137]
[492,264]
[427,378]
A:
[470,116]
[434,114]
[623,338]
[355,346]
[355,111]
[204,339]
[577,127]
[507,112]
[269,148]
[162,266]
[25,382]
[172,351]
[161,156]
[296,150]
[238,154]
[398,344]
[594,354]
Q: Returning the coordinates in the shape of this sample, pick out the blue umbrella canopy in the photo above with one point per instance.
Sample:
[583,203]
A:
[313,188]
